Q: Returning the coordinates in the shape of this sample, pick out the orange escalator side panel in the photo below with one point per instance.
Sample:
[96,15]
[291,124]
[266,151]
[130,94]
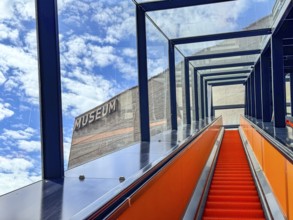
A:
[274,166]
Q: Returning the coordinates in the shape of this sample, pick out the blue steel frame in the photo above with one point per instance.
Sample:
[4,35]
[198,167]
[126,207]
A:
[278,79]
[172,86]
[222,36]
[252,94]
[164,5]
[225,66]
[291,93]
[225,73]
[187,91]
[266,81]
[142,74]
[249,96]
[236,82]
[50,77]
[221,55]
[257,84]
[196,95]
[50,89]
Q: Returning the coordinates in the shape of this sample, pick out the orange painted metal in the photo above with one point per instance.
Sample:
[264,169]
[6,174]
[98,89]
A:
[167,196]
[290,189]
[278,170]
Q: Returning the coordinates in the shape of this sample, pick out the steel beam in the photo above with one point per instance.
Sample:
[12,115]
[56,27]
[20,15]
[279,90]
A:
[221,55]
[253,93]
[257,84]
[206,98]
[164,5]
[223,107]
[225,73]
[222,36]
[187,91]
[291,93]
[202,98]
[266,95]
[50,89]
[225,78]
[225,65]
[245,99]
[196,95]
[236,82]
[172,86]
[248,97]
[142,74]
[278,80]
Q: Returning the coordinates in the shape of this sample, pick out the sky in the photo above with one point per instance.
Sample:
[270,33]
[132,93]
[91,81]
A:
[98,61]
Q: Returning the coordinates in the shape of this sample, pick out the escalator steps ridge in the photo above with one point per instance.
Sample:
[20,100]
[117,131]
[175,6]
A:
[232,194]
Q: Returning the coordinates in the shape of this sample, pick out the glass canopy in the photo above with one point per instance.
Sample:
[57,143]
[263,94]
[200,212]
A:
[214,18]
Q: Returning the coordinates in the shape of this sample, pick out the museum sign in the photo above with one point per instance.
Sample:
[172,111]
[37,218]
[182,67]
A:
[95,114]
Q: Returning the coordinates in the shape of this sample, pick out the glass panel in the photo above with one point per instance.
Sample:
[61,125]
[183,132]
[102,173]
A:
[228,95]
[20,155]
[158,74]
[180,88]
[230,116]
[214,18]
[288,94]
[222,46]
[226,60]
[99,78]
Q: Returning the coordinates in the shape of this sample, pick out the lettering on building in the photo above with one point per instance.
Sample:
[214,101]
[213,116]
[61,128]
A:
[96,114]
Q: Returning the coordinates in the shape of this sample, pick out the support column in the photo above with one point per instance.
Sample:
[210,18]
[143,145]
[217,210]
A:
[245,99]
[142,75]
[266,95]
[252,94]
[196,95]
[278,82]
[50,89]
[187,91]
[202,97]
[257,83]
[291,93]
[172,86]
[248,95]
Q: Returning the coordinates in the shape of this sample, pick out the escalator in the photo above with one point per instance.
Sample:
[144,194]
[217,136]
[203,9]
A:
[232,193]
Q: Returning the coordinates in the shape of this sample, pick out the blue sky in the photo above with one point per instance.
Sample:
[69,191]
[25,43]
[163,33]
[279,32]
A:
[98,61]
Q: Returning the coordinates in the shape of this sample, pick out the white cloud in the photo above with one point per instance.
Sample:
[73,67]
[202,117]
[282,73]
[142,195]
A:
[14,164]
[21,76]
[2,78]
[18,134]
[29,146]
[130,52]
[8,33]
[5,110]
[14,173]
[17,9]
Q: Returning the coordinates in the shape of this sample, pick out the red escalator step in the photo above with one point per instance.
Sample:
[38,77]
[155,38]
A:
[235,213]
[232,194]
[234,205]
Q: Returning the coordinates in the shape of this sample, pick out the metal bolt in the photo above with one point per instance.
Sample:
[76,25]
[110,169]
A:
[81,177]
[121,179]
